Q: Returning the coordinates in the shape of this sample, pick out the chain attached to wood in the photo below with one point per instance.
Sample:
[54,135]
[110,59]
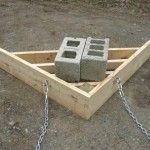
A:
[44,127]
[128,109]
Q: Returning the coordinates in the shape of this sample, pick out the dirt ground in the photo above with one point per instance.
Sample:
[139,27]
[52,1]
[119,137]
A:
[41,25]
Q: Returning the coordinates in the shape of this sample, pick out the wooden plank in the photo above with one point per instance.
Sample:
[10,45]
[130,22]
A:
[37,56]
[121,53]
[114,63]
[46,67]
[103,91]
[50,67]
[49,55]
[64,93]
[80,102]
[78,84]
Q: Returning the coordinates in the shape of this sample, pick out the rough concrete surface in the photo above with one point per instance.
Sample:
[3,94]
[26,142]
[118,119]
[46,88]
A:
[94,59]
[68,58]
[27,25]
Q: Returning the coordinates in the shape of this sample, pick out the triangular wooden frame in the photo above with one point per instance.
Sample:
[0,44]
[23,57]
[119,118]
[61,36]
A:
[34,67]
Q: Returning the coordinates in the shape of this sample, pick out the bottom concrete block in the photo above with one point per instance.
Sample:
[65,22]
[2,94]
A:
[94,59]
[93,70]
[68,71]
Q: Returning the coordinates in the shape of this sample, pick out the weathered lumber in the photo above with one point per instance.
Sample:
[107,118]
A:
[103,91]
[62,92]
[49,55]
[50,67]
[37,66]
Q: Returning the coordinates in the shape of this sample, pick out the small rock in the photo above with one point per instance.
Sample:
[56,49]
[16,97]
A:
[27,131]
[11,123]
[30,111]
[139,30]
[9,141]
[142,80]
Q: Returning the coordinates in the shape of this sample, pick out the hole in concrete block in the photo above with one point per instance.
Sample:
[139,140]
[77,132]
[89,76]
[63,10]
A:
[73,43]
[69,54]
[97,47]
[97,42]
[96,53]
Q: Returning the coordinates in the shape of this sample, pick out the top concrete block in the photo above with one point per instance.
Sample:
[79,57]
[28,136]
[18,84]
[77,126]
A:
[96,49]
[67,61]
[71,44]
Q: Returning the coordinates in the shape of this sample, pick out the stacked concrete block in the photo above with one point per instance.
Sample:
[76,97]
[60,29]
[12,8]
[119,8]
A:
[67,61]
[94,59]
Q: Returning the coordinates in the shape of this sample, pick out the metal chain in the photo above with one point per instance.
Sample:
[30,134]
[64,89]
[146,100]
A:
[44,127]
[127,107]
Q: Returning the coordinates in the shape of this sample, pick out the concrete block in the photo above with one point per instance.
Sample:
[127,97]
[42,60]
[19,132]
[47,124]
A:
[67,61]
[94,59]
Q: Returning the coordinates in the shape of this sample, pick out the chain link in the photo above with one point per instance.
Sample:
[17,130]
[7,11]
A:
[127,107]
[123,98]
[44,127]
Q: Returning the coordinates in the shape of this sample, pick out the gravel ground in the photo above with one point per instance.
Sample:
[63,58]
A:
[37,25]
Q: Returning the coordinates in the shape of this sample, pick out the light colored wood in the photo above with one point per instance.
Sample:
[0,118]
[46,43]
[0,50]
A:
[37,56]
[121,53]
[50,67]
[62,92]
[91,82]
[78,84]
[103,91]
[49,55]
[66,94]
[114,63]
[45,66]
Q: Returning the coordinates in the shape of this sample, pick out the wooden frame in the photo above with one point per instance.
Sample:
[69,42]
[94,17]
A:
[35,67]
